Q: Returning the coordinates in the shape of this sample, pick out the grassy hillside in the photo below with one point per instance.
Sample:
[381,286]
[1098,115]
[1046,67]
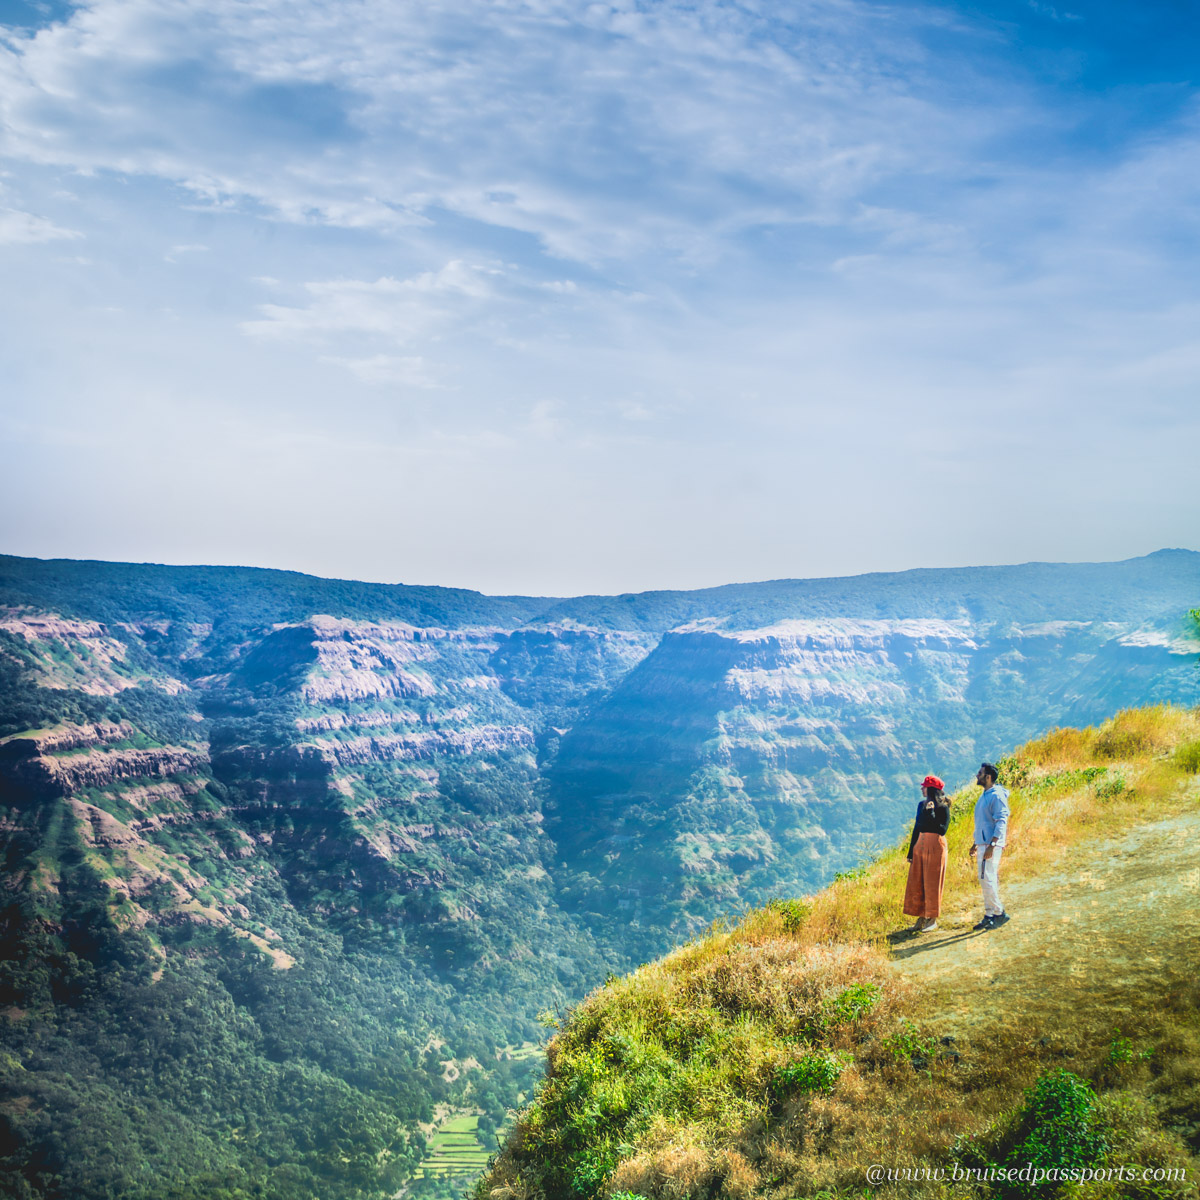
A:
[783,1056]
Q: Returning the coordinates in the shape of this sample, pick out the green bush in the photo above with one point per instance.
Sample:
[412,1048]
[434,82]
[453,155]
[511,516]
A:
[818,1071]
[1067,780]
[1014,771]
[1059,1128]
[854,873]
[907,1042]
[793,912]
[1120,1050]
[1106,789]
[852,1004]
[1060,1125]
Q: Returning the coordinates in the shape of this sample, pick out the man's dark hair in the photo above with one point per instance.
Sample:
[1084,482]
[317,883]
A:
[988,769]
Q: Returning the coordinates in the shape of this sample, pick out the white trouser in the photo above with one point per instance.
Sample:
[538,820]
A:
[989,879]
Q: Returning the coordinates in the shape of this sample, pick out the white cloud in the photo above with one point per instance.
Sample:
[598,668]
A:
[183,249]
[398,310]
[22,228]
[387,369]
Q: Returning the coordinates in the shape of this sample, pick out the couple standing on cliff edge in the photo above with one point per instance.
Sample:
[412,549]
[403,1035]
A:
[927,852]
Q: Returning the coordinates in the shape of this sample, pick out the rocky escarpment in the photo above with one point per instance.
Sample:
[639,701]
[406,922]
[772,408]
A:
[68,653]
[39,776]
[81,796]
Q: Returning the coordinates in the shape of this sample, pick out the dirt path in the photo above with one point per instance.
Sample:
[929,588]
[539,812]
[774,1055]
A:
[1098,932]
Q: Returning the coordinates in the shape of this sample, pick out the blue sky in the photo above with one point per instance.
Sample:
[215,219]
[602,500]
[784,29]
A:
[534,296]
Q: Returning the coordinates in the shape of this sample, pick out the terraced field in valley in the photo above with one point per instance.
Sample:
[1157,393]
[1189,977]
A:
[455,1149]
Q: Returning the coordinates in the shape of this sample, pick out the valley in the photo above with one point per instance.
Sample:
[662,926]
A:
[278,849]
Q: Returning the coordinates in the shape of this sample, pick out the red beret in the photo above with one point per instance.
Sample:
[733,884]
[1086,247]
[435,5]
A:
[933,781]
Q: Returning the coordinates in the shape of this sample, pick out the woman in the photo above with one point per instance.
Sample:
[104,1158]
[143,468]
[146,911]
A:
[927,857]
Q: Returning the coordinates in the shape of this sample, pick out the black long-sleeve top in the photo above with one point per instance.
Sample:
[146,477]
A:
[931,818]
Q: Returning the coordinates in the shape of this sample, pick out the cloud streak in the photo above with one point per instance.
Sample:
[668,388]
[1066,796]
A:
[22,228]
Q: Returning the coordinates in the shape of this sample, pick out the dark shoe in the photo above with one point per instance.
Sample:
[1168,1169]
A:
[1002,919]
[986,923]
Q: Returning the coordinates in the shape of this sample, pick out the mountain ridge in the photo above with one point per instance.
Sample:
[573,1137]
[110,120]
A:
[43,572]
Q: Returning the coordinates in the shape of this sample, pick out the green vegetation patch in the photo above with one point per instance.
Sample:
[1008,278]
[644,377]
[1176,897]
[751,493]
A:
[1058,1132]
[817,1071]
[1187,757]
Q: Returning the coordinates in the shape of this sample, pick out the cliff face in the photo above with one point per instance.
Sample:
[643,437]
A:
[383,774]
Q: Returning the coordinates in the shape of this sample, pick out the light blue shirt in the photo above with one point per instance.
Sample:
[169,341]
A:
[991,816]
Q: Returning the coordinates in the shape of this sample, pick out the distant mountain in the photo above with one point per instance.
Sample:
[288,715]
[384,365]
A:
[346,839]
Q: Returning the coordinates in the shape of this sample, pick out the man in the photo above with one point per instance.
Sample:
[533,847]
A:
[991,827]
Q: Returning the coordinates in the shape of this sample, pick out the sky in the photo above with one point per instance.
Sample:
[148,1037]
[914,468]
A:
[543,297]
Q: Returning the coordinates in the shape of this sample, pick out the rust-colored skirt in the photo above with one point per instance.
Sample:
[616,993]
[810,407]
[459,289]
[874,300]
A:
[926,876]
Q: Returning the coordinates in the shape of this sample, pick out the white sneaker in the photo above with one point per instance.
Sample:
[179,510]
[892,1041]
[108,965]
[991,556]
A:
[932,925]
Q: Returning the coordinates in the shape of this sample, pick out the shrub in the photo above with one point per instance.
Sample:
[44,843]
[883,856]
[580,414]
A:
[1107,788]
[852,1003]
[793,912]
[1059,1127]
[1059,1124]
[1120,1050]
[907,1042]
[817,1071]
[1015,771]
[593,1166]
[1065,781]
